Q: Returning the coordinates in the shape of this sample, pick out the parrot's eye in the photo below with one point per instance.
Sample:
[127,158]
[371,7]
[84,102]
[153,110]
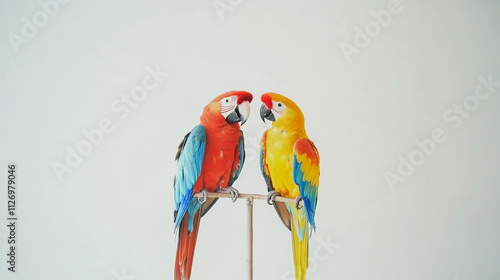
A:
[279,107]
[228,101]
[228,104]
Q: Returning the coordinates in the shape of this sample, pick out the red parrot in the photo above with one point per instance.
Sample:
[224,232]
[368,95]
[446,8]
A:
[209,159]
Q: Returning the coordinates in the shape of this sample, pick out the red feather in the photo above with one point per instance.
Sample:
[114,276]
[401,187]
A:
[242,96]
[185,248]
[266,99]
[219,158]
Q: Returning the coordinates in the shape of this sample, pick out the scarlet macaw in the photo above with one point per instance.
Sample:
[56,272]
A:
[290,166]
[209,159]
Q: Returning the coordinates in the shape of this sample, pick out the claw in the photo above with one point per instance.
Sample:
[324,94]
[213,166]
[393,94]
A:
[203,199]
[271,196]
[232,191]
[298,199]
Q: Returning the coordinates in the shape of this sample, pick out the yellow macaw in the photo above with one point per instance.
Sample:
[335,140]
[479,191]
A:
[290,165]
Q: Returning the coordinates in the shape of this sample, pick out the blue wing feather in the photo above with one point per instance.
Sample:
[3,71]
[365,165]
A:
[307,189]
[189,164]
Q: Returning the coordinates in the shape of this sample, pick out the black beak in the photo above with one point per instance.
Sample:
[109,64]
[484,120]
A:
[265,113]
[235,116]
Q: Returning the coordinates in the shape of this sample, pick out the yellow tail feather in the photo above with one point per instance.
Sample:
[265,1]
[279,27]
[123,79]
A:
[300,248]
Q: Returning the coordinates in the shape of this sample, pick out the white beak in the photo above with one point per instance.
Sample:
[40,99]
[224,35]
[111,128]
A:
[244,109]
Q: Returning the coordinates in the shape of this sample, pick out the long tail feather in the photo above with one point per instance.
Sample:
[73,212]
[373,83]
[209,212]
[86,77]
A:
[185,248]
[300,241]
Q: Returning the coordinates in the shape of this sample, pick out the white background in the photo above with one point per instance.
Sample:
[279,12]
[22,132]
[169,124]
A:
[111,217]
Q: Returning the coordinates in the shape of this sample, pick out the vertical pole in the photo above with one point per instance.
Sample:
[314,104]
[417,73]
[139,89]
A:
[250,237]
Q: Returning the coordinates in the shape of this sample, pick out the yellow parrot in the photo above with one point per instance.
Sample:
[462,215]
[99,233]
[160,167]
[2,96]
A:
[290,166]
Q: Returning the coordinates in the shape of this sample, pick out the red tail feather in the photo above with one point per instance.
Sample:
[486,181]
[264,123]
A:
[185,248]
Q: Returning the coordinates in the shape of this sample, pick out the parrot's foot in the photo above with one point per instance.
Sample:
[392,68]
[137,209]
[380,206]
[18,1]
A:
[298,199]
[271,196]
[232,191]
[203,199]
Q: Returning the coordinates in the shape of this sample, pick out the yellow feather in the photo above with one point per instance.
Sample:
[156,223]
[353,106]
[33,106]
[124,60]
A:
[300,248]
[280,161]
[280,142]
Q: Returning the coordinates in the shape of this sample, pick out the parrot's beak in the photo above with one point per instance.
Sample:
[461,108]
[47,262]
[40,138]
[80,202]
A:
[240,114]
[244,109]
[266,113]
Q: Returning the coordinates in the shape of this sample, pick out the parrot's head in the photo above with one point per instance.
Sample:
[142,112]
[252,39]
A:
[233,106]
[280,110]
